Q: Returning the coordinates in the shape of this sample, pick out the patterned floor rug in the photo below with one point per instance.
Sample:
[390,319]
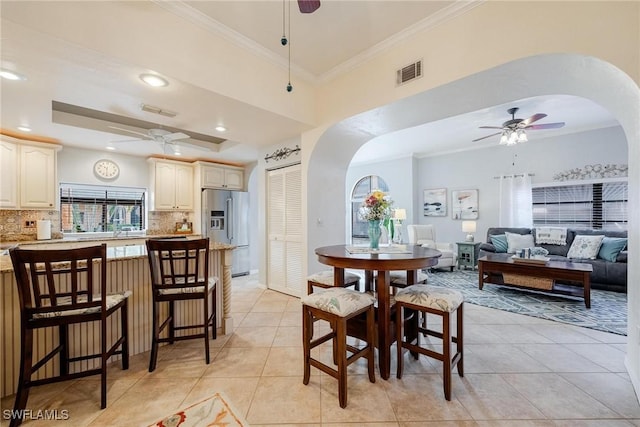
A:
[216,410]
[608,310]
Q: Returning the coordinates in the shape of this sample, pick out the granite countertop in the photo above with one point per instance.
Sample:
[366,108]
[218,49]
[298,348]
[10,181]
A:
[114,253]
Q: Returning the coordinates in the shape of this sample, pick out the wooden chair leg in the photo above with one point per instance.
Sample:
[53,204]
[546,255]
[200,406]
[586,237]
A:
[172,322]
[205,324]
[446,352]
[460,339]
[103,362]
[124,322]
[153,358]
[63,334]
[371,332]
[399,335]
[341,336]
[307,335]
[26,364]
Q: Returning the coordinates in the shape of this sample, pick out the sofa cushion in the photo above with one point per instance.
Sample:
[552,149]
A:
[611,247]
[515,242]
[499,241]
[585,247]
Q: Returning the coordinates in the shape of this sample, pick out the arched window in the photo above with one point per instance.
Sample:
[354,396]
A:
[360,191]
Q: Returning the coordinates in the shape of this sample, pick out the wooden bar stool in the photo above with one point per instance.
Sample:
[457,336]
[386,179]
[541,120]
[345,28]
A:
[324,279]
[337,305]
[432,300]
[65,290]
[179,273]
[398,279]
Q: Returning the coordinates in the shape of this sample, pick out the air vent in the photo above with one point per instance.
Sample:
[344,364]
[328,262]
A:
[157,110]
[408,73]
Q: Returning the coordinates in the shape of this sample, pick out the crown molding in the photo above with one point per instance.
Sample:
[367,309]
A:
[193,15]
[180,8]
[432,21]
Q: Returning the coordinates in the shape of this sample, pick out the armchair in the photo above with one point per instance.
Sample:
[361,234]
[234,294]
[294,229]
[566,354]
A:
[425,235]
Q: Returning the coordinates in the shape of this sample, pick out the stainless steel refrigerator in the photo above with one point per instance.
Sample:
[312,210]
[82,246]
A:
[225,218]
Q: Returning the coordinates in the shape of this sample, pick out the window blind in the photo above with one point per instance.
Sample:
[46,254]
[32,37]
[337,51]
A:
[601,205]
[93,208]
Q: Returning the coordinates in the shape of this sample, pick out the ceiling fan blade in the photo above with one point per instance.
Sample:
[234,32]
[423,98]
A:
[546,126]
[488,136]
[131,140]
[489,127]
[131,131]
[174,136]
[308,6]
[534,118]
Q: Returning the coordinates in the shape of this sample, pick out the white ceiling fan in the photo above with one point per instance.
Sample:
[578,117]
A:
[164,137]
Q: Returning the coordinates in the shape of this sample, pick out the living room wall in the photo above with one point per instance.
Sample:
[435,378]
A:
[476,169]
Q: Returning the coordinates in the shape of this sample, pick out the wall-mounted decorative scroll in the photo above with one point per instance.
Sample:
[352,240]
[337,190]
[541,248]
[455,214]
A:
[592,172]
[282,153]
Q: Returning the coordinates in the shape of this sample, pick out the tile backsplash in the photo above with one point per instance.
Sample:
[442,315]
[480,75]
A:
[14,228]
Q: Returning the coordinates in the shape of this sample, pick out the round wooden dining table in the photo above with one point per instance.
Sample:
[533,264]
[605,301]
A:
[410,258]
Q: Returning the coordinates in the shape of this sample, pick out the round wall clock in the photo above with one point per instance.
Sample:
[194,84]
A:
[106,169]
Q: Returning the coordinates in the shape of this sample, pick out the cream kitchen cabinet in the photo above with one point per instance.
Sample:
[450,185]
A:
[29,175]
[9,154]
[226,177]
[172,185]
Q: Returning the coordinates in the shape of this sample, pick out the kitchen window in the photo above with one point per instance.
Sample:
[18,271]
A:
[97,208]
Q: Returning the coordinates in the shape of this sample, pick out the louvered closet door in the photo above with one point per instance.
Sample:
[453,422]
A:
[284,211]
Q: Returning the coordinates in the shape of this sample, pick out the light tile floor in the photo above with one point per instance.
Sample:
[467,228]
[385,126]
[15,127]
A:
[519,371]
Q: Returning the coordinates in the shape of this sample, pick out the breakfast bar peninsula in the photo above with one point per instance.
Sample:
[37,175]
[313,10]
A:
[127,269]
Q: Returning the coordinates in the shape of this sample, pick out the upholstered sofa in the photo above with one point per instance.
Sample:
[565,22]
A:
[608,275]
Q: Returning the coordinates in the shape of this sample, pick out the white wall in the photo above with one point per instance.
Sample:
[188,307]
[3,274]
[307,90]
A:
[476,169]
[75,165]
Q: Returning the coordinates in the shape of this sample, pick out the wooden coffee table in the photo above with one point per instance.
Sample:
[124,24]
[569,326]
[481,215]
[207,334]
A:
[542,277]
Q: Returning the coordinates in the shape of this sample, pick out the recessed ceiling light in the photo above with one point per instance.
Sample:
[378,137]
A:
[24,128]
[11,75]
[153,80]
[110,147]
[221,128]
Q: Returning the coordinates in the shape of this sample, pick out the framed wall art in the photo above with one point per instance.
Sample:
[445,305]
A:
[435,202]
[464,204]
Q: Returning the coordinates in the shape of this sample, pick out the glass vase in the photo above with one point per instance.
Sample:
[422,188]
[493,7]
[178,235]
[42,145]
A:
[374,233]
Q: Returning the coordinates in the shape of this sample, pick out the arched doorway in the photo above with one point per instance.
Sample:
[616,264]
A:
[571,74]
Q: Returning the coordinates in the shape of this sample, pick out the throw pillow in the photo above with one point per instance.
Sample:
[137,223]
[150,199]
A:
[499,241]
[551,235]
[611,247]
[585,247]
[515,242]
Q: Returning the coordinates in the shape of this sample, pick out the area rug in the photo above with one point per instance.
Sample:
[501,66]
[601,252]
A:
[608,311]
[212,411]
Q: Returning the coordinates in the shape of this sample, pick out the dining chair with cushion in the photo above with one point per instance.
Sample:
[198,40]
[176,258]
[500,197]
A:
[180,272]
[324,279]
[60,289]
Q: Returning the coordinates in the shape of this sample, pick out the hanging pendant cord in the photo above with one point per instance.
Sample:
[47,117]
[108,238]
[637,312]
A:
[284,34]
[289,87]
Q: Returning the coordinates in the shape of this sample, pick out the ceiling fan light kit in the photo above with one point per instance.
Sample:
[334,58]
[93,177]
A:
[514,131]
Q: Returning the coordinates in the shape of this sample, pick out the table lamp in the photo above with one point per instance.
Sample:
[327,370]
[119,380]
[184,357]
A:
[399,215]
[469,227]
